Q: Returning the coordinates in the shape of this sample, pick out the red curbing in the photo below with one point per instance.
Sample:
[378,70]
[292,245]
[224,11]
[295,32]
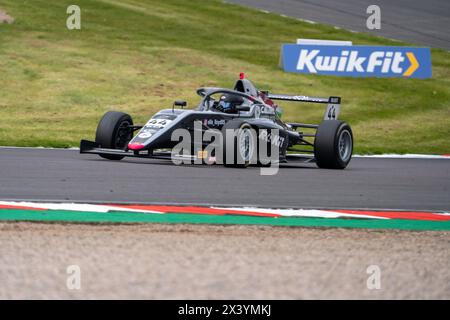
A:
[234,211]
[410,215]
[19,207]
[196,210]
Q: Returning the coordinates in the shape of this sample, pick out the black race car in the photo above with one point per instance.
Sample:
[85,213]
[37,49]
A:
[250,114]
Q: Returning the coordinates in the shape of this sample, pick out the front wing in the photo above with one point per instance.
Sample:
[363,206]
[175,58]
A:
[94,148]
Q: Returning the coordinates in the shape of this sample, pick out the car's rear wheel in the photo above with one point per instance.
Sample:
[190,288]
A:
[333,144]
[239,144]
[113,132]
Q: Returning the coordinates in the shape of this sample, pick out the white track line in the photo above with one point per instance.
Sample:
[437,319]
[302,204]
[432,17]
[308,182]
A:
[209,204]
[403,156]
[378,156]
[84,207]
[311,213]
[41,148]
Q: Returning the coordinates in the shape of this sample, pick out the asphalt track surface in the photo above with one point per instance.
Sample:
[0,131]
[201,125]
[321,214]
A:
[415,21]
[52,174]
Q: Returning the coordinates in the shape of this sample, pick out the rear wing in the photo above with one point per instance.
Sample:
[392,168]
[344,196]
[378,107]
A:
[333,103]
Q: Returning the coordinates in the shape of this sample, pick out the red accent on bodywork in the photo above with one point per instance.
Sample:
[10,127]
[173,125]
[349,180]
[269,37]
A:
[135,146]
[269,102]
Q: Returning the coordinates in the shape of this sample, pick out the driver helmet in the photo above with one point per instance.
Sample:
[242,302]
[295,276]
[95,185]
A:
[229,102]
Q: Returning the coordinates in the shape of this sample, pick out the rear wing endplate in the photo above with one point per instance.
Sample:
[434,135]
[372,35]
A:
[333,103]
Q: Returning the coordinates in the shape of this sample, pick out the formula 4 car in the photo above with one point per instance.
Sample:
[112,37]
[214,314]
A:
[243,110]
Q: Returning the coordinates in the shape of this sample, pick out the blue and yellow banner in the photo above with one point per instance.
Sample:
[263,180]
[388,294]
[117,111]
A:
[357,61]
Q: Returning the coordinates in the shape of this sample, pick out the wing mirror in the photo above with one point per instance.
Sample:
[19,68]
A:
[180,103]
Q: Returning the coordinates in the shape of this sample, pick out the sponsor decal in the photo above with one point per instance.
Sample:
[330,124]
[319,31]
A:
[145,134]
[257,112]
[152,126]
[274,139]
[213,122]
[202,154]
[300,98]
[357,61]
[157,123]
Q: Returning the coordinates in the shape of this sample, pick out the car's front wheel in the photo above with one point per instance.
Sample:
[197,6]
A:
[113,132]
[333,144]
[239,144]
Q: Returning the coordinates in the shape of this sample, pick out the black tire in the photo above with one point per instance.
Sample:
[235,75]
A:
[243,130]
[333,144]
[111,132]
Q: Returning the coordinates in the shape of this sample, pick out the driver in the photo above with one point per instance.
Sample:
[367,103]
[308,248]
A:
[229,102]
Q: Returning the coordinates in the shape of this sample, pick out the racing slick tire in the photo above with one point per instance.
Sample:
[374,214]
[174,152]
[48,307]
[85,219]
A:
[113,133]
[333,144]
[242,144]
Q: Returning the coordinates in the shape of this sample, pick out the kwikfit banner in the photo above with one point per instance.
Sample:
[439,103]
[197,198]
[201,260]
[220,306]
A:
[357,61]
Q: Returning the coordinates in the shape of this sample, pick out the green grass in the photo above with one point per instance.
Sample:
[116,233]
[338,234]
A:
[135,217]
[139,56]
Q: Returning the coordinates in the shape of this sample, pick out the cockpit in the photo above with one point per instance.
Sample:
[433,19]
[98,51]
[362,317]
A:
[243,100]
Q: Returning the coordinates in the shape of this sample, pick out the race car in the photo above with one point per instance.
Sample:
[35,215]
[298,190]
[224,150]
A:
[250,114]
